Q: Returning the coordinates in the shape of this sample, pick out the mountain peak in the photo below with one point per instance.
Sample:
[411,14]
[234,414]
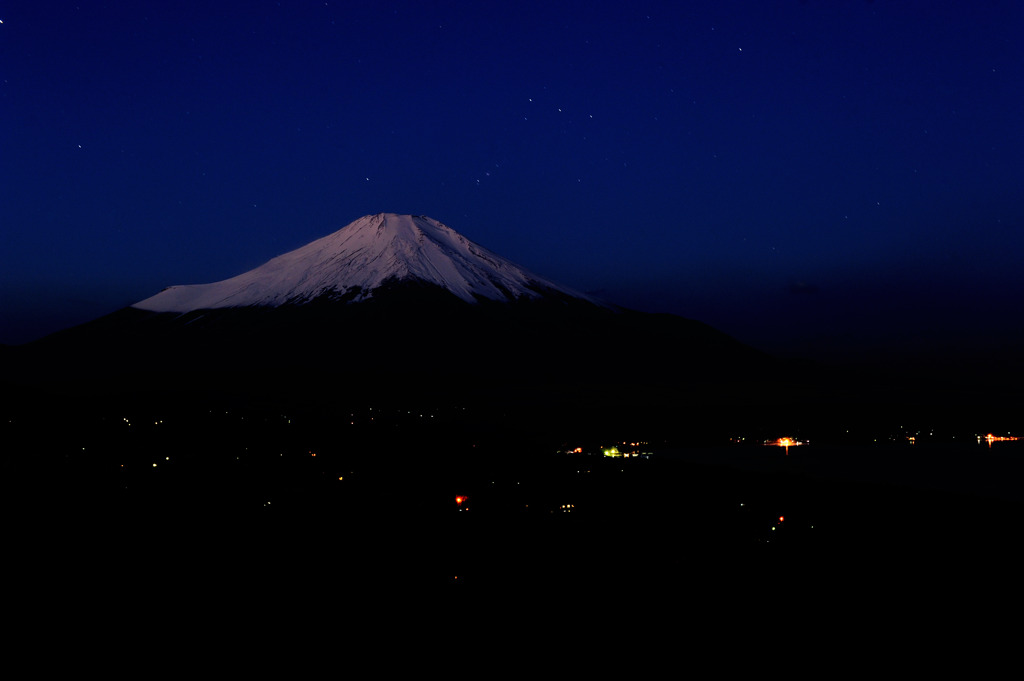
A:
[359,258]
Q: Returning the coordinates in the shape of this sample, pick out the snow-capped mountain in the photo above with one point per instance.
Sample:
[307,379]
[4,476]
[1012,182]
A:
[353,262]
[431,320]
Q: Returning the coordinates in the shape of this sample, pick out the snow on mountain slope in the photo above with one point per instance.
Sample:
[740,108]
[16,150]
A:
[357,259]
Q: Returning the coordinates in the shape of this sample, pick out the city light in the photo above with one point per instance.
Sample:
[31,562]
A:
[990,438]
[786,442]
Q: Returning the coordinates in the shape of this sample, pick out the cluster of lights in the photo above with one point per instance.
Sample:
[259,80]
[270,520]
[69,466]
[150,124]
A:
[615,452]
[622,449]
[786,442]
[990,438]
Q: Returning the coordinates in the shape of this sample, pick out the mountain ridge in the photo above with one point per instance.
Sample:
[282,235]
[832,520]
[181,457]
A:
[351,263]
[394,330]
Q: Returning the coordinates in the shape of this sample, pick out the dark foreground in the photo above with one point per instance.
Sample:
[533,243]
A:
[252,516]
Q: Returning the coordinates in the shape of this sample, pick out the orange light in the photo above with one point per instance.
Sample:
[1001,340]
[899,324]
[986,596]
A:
[459,500]
[781,518]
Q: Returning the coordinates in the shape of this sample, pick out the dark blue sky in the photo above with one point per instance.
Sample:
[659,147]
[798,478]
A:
[811,176]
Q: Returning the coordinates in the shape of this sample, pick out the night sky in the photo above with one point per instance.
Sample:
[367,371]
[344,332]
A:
[821,177]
